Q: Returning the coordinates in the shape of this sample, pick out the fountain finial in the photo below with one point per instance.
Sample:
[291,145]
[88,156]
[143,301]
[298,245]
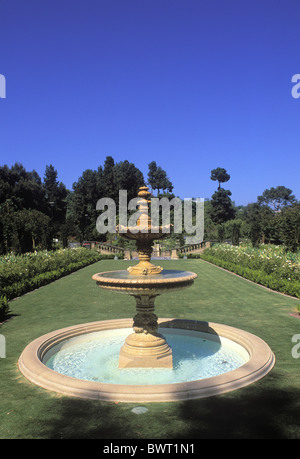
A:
[144,234]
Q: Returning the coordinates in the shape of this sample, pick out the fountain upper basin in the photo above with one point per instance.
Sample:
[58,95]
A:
[124,282]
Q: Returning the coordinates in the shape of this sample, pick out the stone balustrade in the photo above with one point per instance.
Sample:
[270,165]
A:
[106,248]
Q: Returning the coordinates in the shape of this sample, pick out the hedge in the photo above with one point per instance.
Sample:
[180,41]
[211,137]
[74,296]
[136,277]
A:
[289,287]
[24,273]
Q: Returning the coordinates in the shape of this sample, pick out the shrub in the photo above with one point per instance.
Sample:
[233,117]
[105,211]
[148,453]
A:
[4,308]
[270,266]
[20,274]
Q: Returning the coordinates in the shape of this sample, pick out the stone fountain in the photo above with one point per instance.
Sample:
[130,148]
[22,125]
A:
[63,360]
[145,281]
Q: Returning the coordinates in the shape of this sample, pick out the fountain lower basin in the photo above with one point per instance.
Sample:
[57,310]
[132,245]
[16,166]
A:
[259,360]
[196,355]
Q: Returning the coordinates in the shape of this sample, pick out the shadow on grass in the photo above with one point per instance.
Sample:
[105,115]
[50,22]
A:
[253,412]
[86,419]
[9,315]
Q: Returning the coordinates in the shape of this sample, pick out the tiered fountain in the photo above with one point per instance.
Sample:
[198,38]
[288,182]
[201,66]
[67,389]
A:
[145,281]
[73,360]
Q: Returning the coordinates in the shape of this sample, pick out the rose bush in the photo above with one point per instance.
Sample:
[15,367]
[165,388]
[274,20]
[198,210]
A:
[20,274]
[267,265]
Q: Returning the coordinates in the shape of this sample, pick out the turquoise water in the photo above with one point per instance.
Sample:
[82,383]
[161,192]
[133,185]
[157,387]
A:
[94,357]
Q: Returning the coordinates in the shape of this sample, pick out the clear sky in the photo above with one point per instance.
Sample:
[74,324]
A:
[190,84]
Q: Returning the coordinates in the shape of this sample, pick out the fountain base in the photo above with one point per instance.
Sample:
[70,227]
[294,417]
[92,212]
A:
[31,364]
[145,350]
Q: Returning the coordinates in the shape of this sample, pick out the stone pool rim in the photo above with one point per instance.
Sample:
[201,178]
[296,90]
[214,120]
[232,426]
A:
[261,361]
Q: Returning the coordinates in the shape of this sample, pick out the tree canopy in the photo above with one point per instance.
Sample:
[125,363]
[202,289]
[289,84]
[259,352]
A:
[277,198]
[158,179]
[55,194]
[93,185]
[220,175]
[23,188]
[34,211]
[222,208]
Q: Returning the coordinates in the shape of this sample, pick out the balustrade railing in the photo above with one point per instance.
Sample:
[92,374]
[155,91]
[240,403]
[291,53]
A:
[157,252]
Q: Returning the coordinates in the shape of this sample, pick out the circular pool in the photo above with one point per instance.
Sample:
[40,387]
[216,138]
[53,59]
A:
[196,355]
[208,359]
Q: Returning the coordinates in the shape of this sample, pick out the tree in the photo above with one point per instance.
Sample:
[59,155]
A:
[24,230]
[24,224]
[96,184]
[82,204]
[253,218]
[222,209]
[221,233]
[220,175]
[67,229]
[269,224]
[108,178]
[255,233]
[128,177]
[290,227]
[158,179]
[151,175]
[277,198]
[51,183]
[55,193]
[37,228]
[22,187]
[235,237]
[164,183]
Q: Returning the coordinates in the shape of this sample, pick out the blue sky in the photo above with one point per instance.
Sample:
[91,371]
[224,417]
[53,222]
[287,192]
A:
[190,84]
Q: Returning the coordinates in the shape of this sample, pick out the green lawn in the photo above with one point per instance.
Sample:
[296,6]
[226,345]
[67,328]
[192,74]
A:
[267,409]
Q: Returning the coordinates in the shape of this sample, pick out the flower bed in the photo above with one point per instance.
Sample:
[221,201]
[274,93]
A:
[267,265]
[20,274]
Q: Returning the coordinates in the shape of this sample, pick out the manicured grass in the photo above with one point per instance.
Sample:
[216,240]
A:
[266,409]
[267,265]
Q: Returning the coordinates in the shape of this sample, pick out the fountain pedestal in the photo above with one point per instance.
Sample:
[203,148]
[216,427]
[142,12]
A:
[145,348]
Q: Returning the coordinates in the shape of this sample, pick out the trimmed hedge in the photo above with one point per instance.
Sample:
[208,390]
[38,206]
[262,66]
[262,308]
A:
[24,273]
[290,287]
[189,255]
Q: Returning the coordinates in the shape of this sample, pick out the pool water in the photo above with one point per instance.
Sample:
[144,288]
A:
[196,355]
